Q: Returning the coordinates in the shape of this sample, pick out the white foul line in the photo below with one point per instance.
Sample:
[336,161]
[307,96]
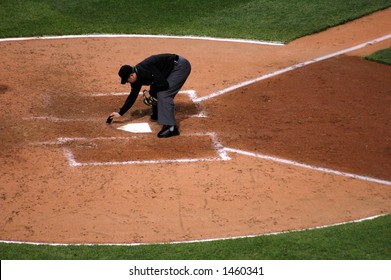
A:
[321,169]
[291,68]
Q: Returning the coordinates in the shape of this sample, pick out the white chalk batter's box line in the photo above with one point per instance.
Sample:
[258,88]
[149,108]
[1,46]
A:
[222,154]
[219,148]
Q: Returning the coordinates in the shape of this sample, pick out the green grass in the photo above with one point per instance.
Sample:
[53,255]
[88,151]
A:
[383,56]
[368,240]
[272,20]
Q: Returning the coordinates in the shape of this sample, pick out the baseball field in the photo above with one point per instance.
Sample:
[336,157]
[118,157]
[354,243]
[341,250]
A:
[285,145]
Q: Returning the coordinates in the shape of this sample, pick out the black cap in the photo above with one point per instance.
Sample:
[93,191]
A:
[124,72]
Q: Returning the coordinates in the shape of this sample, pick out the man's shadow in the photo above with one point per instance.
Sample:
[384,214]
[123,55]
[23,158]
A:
[183,111]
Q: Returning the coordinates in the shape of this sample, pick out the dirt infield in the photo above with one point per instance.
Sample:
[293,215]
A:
[305,148]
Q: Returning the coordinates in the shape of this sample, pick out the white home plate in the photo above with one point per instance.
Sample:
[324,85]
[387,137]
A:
[136,128]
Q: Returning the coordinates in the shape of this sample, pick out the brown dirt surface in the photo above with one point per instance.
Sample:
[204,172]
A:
[67,177]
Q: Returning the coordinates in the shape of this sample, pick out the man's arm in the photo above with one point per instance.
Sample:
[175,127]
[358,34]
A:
[130,99]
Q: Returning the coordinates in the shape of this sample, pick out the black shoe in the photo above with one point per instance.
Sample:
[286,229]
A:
[168,131]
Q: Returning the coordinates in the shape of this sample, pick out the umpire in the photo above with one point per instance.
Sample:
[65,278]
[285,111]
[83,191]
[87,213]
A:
[165,74]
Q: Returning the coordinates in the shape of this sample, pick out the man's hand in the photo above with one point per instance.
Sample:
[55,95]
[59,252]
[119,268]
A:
[148,99]
[115,115]
[112,116]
